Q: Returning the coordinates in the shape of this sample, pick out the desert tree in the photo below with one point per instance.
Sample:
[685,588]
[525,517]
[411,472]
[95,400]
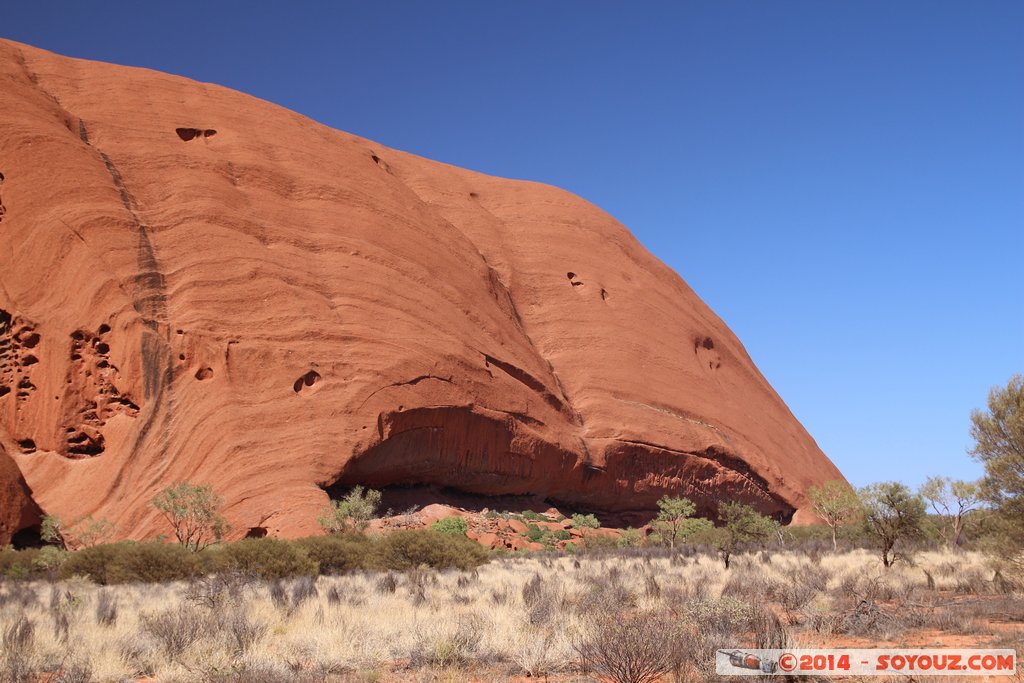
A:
[953,502]
[351,513]
[892,514]
[740,524]
[193,510]
[84,532]
[581,521]
[675,519]
[836,503]
[998,434]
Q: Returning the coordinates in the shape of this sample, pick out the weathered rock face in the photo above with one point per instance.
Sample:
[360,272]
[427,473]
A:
[17,511]
[198,285]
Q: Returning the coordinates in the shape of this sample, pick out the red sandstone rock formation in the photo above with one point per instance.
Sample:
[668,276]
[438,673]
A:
[199,285]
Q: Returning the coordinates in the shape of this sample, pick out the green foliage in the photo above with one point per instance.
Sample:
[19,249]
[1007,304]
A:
[672,513]
[599,542]
[892,514]
[562,535]
[409,549]
[954,503]
[740,524]
[456,526]
[351,513]
[534,533]
[532,516]
[630,538]
[50,559]
[341,553]
[129,561]
[580,521]
[193,510]
[998,435]
[836,503]
[20,564]
[265,558]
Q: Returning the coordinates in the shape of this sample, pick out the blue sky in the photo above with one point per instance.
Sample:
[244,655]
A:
[842,182]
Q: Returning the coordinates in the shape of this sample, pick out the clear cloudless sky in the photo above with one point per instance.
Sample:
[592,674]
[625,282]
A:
[842,182]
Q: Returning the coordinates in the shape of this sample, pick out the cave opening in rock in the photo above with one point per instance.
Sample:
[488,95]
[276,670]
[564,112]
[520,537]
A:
[29,537]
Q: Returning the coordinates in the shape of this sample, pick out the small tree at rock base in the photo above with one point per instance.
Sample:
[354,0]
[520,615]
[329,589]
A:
[836,503]
[675,519]
[891,514]
[740,524]
[351,513]
[193,510]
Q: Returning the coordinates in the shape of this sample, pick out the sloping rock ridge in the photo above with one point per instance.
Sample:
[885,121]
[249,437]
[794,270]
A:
[196,285]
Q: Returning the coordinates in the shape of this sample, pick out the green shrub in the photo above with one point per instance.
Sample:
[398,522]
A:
[585,521]
[532,516]
[562,535]
[265,558]
[340,553]
[600,542]
[19,564]
[534,533]
[630,538]
[130,561]
[457,526]
[152,563]
[409,549]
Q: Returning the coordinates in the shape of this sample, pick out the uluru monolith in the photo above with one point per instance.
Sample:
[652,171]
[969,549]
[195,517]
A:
[197,285]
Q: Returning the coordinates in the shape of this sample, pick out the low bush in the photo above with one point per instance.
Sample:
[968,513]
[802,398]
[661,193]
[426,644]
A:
[457,526]
[409,549]
[264,558]
[340,553]
[130,561]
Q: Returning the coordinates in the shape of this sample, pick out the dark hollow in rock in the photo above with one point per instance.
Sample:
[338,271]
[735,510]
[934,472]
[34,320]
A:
[204,373]
[187,134]
[256,532]
[27,445]
[307,380]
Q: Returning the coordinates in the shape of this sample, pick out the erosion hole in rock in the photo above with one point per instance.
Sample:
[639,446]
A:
[82,445]
[705,343]
[1,177]
[474,195]
[103,348]
[187,134]
[103,329]
[30,340]
[256,532]
[204,373]
[307,380]
[577,284]
[29,537]
[181,356]
[570,275]
[604,294]
[4,391]
[27,445]
[29,360]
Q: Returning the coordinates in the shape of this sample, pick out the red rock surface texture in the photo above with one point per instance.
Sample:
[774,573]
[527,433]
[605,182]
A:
[197,285]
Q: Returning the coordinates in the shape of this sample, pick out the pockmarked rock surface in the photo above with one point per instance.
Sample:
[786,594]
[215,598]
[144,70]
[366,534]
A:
[197,285]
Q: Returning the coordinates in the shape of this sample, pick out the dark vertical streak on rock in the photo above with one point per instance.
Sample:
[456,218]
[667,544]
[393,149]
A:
[149,298]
